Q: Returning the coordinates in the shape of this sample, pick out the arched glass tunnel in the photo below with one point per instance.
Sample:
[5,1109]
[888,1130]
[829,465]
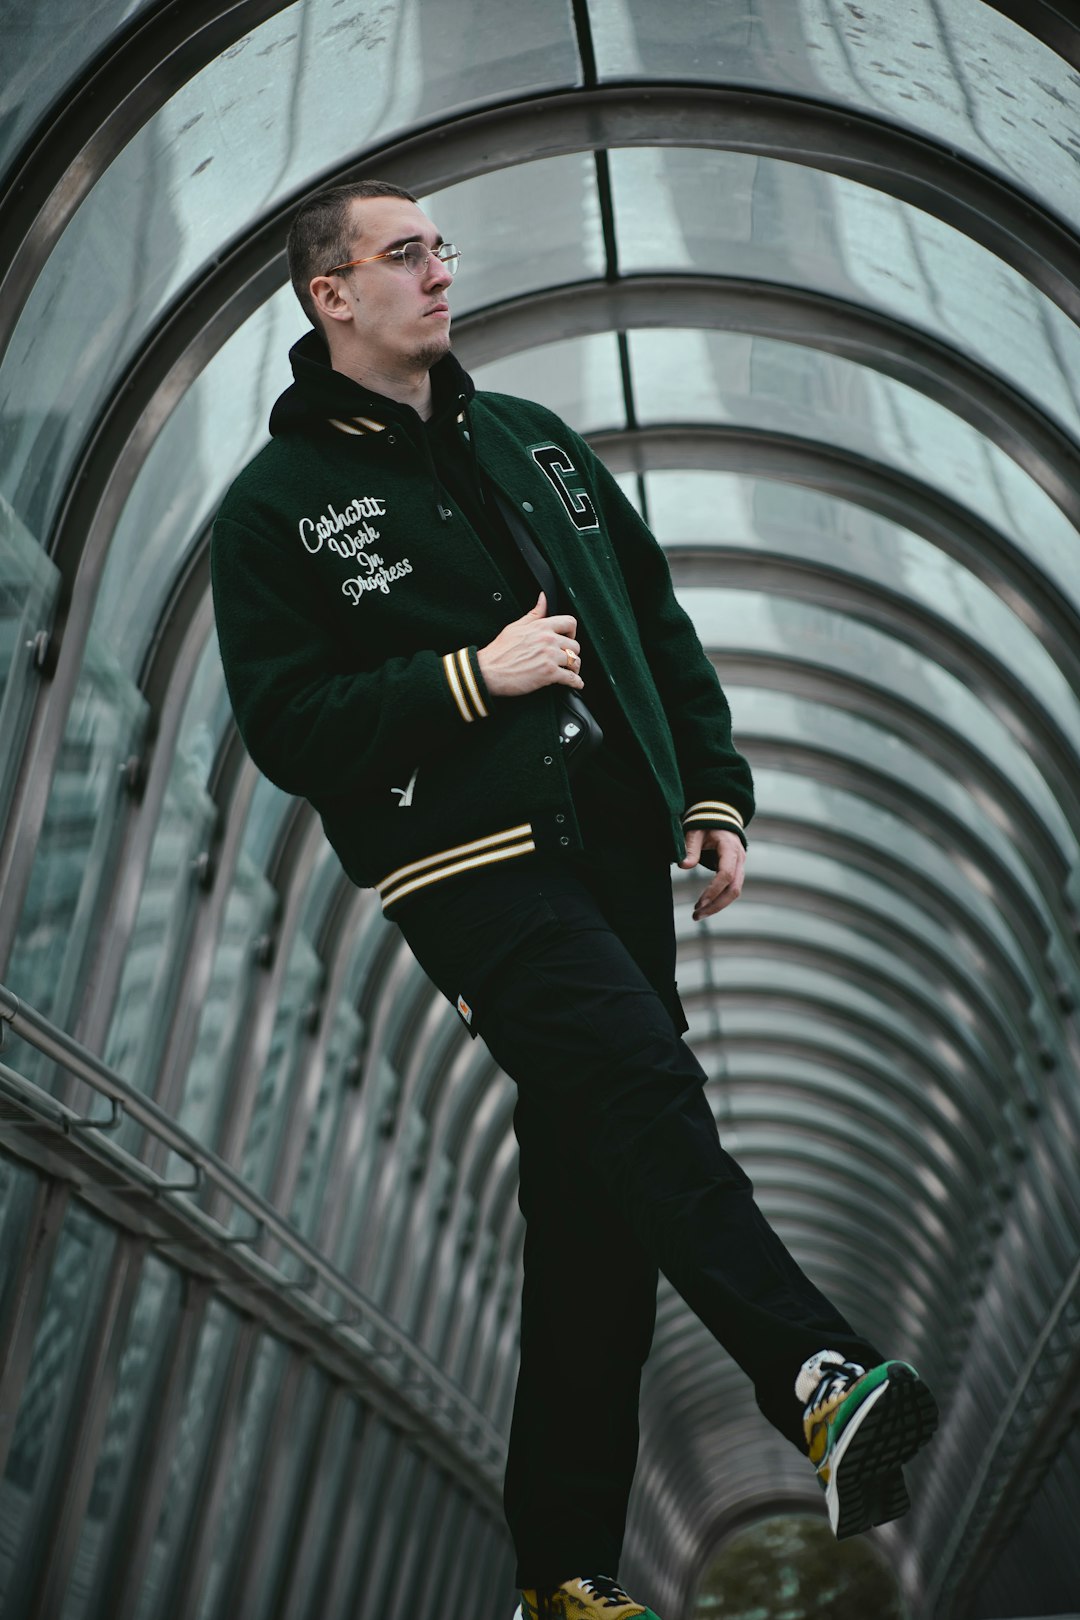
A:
[806,274]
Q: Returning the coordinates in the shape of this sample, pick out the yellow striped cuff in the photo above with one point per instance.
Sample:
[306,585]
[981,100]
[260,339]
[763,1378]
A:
[459,858]
[463,685]
[712,810]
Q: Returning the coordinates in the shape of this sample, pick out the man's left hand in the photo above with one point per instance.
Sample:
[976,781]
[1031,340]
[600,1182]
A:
[726,886]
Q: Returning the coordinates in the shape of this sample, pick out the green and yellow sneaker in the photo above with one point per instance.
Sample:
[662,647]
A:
[587,1597]
[860,1427]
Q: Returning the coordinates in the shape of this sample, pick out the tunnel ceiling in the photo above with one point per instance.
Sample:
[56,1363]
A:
[806,274]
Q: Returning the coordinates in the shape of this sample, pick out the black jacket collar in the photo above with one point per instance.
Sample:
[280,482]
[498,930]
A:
[320,394]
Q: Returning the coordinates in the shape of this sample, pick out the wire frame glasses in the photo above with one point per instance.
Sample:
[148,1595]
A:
[414,256]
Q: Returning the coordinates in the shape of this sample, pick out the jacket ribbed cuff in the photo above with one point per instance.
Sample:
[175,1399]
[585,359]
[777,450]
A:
[462,671]
[714,813]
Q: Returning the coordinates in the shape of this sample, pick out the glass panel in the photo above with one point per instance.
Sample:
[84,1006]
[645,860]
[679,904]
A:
[806,1035]
[167,906]
[784,717]
[28,589]
[865,1123]
[154,1315]
[770,932]
[836,535]
[276,1527]
[218,424]
[76,848]
[414,1299]
[356,1551]
[168,899]
[733,621]
[339,1073]
[199,1420]
[781,388]
[389,1262]
[763,976]
[504,255]
[326,1133]
[631,486]
[67,1321]
[271,1109]
[899,1102]
[18,1194]
[334,1483]
[960,73]
[254,1420]
[269,807]
[322,890]
[382,1084]
[578,378]
[785,224]
[691,507]
[818,879]
[42,53]
[208,713]
[849,815]
[221,1020]
[295,99]
[397,1505]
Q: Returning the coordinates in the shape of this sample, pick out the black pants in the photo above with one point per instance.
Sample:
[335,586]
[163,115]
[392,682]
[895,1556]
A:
[566,967]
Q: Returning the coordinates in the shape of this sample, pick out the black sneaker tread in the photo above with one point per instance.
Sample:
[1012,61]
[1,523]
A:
[870,1480]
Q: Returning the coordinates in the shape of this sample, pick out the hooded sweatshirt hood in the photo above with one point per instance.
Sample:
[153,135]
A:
[319,394]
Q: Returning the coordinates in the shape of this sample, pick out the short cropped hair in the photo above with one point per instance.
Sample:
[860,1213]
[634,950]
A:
[322,235]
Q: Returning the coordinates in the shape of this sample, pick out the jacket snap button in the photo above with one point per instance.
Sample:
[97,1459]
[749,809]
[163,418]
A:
[391,439]
[564,840]
[547,759]
[496,596]
[526,506]
[560,819]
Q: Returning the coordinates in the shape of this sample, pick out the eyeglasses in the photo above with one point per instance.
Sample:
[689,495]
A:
[414,256]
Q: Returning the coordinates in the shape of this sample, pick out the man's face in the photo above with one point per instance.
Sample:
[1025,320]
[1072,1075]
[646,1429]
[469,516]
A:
[396,318]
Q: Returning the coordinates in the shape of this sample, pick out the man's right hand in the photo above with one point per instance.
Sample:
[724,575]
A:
[531,652]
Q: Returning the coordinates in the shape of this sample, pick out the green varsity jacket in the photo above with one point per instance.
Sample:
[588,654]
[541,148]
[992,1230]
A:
[351,596]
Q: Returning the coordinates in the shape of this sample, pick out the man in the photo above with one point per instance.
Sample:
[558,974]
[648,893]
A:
[392,657]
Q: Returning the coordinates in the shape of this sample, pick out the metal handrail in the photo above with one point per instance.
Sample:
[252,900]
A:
[453,1414]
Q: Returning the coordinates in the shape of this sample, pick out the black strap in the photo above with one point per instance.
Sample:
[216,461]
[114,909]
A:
[579,730]
[531,552]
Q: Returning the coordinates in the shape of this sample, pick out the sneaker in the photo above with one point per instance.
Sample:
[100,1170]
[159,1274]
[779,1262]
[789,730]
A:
[860,1427]
[591,1597]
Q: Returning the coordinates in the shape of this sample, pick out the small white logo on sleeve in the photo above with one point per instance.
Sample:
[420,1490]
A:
[406,792]
[464,1009]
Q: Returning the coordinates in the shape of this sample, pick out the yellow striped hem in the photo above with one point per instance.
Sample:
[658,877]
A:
[458,866]
[713,809]
[456,853]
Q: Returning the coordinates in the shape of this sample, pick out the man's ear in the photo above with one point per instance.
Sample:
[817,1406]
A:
[327,298]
